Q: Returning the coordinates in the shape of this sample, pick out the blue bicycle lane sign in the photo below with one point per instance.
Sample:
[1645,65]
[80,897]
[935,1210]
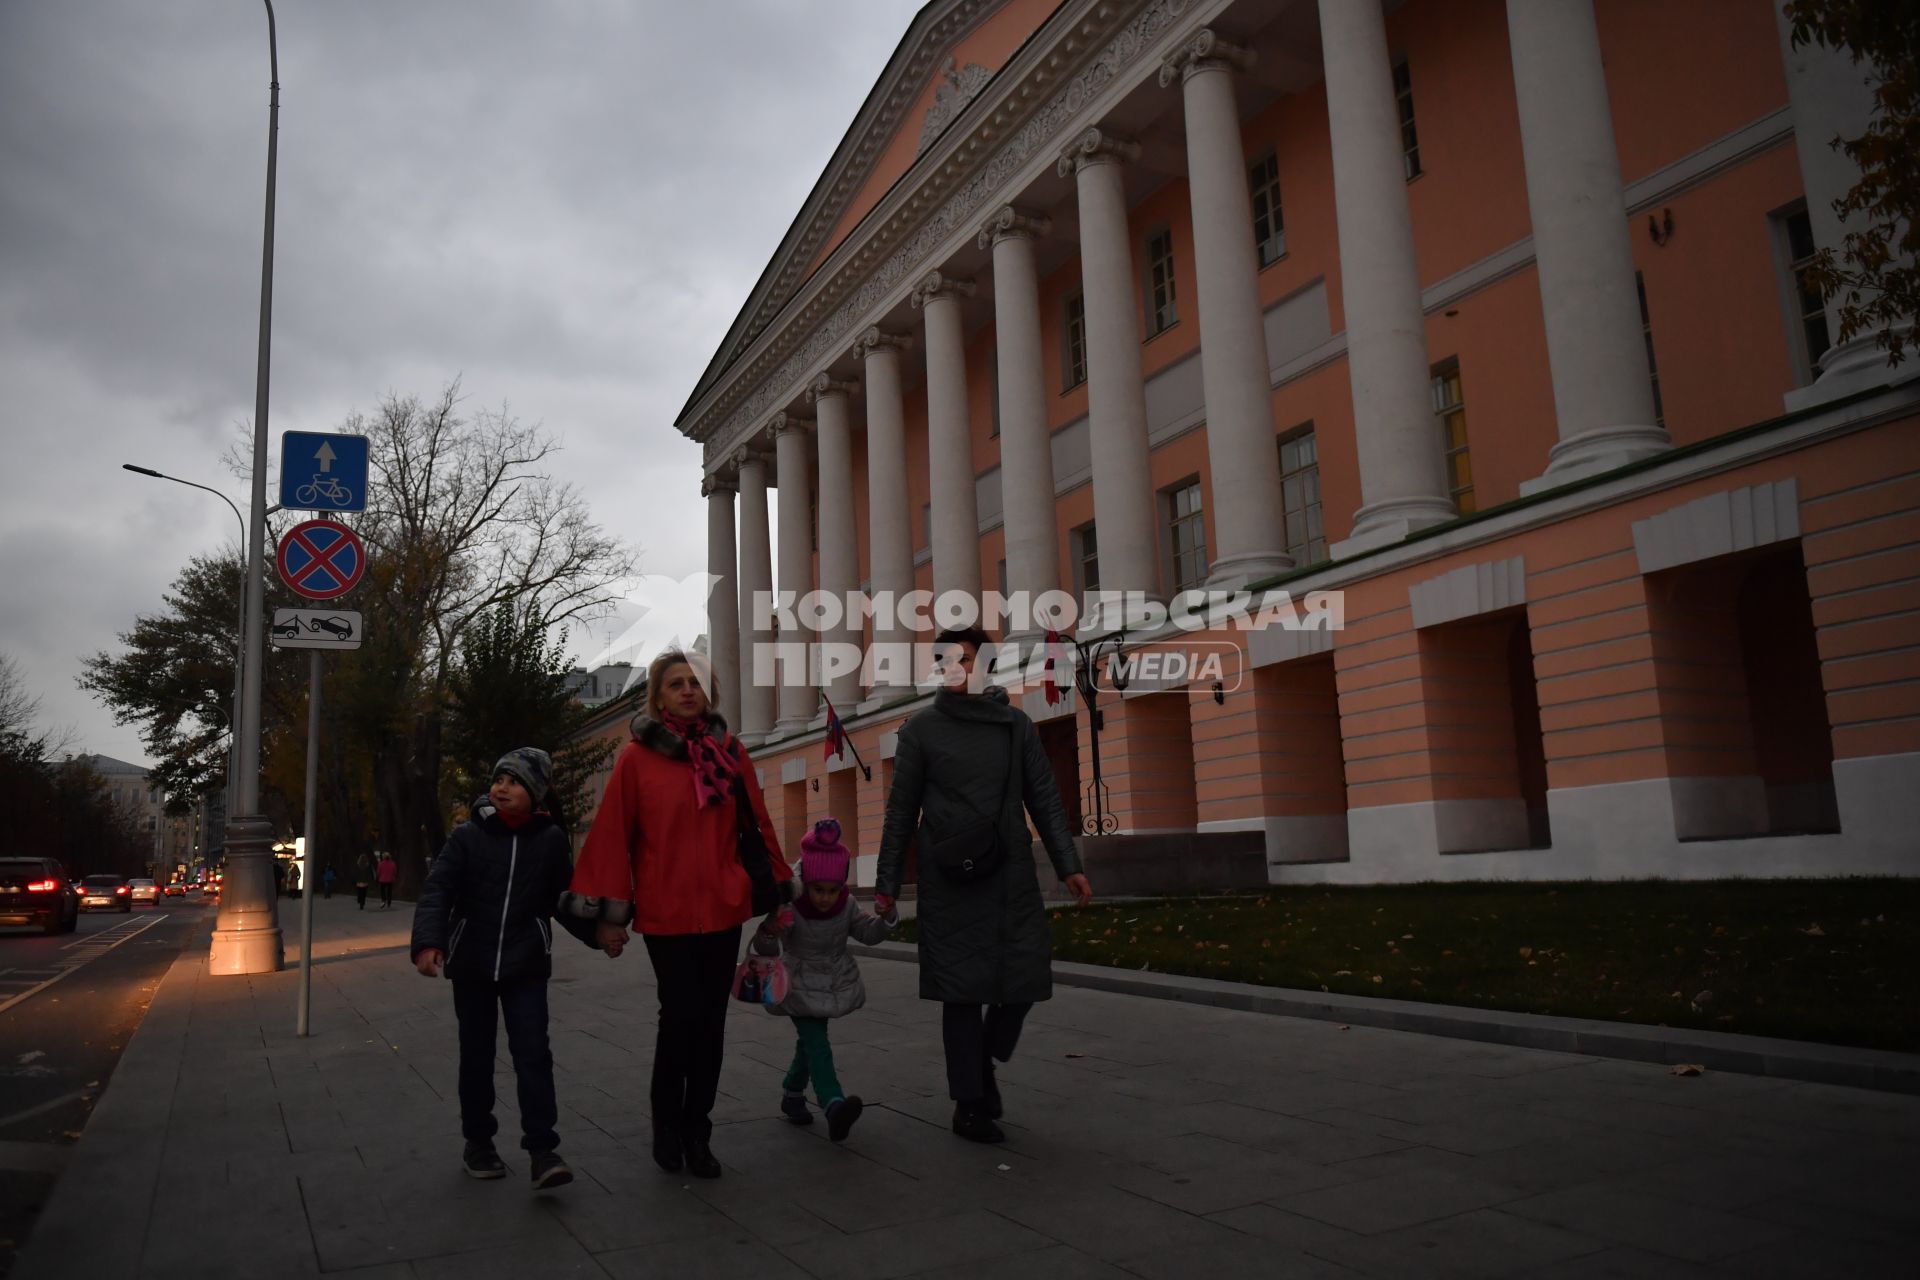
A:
[323,472]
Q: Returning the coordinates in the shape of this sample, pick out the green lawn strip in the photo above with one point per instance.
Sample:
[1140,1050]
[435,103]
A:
[1823,960]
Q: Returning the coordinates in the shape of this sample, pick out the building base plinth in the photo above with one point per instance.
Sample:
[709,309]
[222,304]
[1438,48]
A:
[1596,452]
[1385,523]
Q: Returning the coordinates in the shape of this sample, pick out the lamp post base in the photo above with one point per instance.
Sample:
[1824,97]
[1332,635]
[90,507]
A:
[246,934]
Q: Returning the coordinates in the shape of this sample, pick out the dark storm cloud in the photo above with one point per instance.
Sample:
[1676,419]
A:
[562,203]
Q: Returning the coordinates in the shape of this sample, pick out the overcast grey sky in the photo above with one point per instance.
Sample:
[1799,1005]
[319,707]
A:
[562,202]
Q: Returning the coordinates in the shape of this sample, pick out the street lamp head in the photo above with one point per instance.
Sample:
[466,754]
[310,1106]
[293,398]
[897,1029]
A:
[145,471]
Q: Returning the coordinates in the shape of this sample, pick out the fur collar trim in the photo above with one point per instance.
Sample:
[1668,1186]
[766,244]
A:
[656,736]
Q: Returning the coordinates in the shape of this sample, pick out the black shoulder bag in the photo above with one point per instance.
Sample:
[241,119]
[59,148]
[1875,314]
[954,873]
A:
[978,848]
[752,849]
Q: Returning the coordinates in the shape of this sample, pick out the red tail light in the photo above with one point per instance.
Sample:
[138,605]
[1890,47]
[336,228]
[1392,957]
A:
[121,889]
[43,886]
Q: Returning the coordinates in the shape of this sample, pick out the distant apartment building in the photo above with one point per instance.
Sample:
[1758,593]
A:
[600,685]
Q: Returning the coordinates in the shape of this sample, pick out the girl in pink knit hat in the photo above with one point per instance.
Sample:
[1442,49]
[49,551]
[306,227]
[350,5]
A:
[823,982]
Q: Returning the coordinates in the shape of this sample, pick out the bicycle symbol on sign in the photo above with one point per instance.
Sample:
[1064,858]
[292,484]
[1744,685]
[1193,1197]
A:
[323,486]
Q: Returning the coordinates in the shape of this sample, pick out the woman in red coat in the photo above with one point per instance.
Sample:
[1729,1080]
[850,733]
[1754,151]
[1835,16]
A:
[661,855]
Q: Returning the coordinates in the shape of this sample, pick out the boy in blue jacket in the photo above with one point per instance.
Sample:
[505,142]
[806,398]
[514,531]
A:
[485,921]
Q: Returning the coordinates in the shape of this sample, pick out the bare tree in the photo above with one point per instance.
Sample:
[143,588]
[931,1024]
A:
[463,514]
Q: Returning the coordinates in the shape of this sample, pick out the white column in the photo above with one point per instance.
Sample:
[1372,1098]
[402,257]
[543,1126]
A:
[1829,97]
[956,510]
[839,541]
[1249,524]
[889,526]
[723,595]
[1026,447]
[755,710]
[1403,475]
[1123,513]
[1602,395]
[798,698]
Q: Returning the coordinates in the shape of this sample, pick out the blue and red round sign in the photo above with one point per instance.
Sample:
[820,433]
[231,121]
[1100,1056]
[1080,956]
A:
[321,560]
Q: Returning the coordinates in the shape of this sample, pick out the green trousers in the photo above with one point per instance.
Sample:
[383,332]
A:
[813,1059]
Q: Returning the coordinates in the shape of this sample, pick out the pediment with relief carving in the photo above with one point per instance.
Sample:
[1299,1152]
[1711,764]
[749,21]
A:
[962,85]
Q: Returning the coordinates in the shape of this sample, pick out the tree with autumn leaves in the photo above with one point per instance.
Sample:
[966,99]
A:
[1875,273]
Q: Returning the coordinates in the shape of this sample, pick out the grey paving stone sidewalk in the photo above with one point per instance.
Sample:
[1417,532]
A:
[1148,1138]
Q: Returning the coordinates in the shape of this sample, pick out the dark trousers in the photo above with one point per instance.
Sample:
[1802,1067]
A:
[972,1032]
[386,895]
[695,976]
[524,1006]
[360,893]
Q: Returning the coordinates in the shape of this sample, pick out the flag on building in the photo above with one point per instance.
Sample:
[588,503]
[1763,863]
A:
[836,736]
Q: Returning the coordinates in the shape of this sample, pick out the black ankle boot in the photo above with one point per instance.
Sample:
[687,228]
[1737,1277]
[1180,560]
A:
[666,1150]
[971,1121]
[700,1161]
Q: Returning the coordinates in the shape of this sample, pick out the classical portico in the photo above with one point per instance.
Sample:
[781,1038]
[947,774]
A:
[1038,178]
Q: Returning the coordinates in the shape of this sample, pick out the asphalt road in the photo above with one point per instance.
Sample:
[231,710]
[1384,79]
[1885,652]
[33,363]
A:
[68,1005]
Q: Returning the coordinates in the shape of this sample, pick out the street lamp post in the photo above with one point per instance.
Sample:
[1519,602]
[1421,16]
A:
[239,631]
[246,934]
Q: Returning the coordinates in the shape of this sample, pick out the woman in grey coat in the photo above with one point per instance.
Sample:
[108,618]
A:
[985,952]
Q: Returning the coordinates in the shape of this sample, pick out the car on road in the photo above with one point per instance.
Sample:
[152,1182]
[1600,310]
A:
[175,889]
[143,891]
[38,891]
[106,893]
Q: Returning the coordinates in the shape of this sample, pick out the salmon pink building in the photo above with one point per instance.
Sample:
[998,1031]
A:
[1485,317]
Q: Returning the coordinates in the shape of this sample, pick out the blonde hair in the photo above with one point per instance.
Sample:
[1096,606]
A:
[702,669]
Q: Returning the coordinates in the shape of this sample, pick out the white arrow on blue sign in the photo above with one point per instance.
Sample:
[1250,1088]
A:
[321,472]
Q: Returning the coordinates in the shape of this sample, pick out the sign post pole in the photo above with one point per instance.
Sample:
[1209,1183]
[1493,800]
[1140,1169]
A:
[311,831]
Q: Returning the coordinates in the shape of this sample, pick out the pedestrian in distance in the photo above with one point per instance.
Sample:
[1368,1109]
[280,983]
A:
[823,981]
[362,877]
[326,882]
[968,771]
[484,920]
[386,873]
[665,854]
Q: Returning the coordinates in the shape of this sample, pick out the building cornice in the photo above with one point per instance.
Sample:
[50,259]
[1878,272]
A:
[922,55]
[1062,76]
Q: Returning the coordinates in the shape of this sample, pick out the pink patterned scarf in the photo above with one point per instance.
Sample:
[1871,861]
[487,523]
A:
[713,765]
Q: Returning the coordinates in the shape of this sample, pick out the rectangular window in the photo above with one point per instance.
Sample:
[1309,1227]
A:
[1269,231]
[1300,496]
[926,523]
[1186,536]
[1075,330]
[1646,333]
[1450,411]
[1085,549]
[1810,310]
[993,388]
[1409,138]
[1161,312]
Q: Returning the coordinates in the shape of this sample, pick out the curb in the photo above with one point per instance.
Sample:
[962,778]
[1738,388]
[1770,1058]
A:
[117,1160]
[1880,1069]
